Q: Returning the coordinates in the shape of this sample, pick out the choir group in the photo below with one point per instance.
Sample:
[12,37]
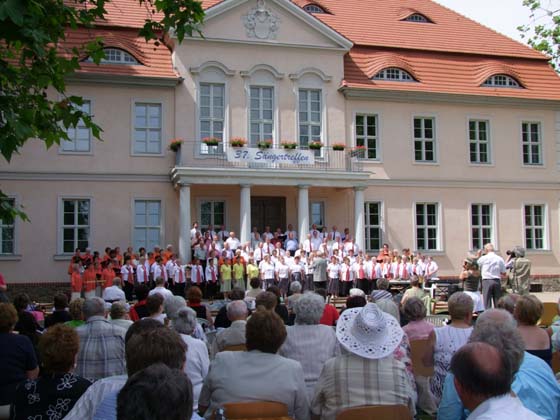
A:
[220,262]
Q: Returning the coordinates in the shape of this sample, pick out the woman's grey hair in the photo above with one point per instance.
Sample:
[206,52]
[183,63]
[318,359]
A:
[414,309]
[173,304]
[460,305]
[382,284]
[503,336]
[309,309]
[390,307]
[236,310]
[295,287]
[184,321]
[93,307]
[119,309]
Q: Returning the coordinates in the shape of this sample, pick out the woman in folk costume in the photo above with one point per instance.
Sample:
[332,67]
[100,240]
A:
[107,275]
[347,277]
[225,277]
[297,270]
[282,271]
[238,271]
[333,273]
[76,282]
[211,278]
[89,279]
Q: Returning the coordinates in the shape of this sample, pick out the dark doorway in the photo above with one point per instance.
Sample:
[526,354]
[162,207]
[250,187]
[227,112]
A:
[268,211]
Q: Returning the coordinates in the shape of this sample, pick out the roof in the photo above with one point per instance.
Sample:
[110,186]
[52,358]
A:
[450,73]
[155,61]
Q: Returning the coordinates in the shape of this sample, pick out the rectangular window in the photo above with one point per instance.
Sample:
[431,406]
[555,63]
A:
[374,233]
[212,213]
[317,214]
[424,139]
[7,232]
[366,135]
[479,142]
[147,128]
[80,136]
[535,225]
[261,121]
[212,115]
[75,224]
[481,225]
[427,235]
[309,116]
[532,143]
[147,223]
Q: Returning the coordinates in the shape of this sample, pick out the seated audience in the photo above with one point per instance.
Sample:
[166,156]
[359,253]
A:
[280,308]
[446,340]
[60,314]
[119,315]
[533,382]
[222,320]
[75,311]
[382,291]
[354,302]
[415,312]
[197,362]
[295,290]
[508,302]
[17,357]
[194,301]
[101,343]
[154,305]
[234,335]
[256,288]
[114,293]
[155,393]
[172,306]
[415,291]
[258,374]
[307,341]
[366,373]
[139,310]
[389,306]
[483,377]
[56,391]
[330,314]
[160,289]
[26,324]
[528,310]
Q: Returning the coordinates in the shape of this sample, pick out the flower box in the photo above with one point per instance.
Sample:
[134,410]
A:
[211,141]
[358,151]
[290,145]
[175,145]
[238,142]
[265,144]
[339,146]
[315,145]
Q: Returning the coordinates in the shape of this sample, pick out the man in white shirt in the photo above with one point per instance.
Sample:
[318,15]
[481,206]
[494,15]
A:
[315,240]
[143,271]
[492,266]
[194,230]
[267,234]
[160,288]
[114,293]
[292,231]
[291,243]
[233,242]
[431,269]
[336,235]
[483,377]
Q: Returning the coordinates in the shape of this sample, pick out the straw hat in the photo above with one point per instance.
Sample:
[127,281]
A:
[368,332]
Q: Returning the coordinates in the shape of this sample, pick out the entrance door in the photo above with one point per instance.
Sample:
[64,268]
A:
[268,211]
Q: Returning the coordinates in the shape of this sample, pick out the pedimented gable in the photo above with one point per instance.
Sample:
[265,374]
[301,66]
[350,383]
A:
[275,22]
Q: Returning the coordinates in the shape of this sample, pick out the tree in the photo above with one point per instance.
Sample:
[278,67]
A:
[33,100]
[543,31]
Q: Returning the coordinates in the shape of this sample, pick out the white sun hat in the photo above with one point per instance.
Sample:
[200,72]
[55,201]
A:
[368,332]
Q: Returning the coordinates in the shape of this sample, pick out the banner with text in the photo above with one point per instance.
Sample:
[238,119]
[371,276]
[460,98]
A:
[282,156]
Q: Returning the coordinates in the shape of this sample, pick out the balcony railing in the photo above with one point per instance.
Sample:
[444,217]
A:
[200,155]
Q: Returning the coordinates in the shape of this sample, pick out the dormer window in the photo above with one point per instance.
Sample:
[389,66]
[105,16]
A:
[117,56]
[313,8]
[394,74]
[418,18]
[501,81]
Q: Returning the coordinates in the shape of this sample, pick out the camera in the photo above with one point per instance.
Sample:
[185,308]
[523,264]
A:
[510,253]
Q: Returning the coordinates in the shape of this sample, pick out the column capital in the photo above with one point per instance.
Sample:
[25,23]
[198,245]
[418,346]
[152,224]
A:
[245,185]
[360,188]
[304,186]
[182,184]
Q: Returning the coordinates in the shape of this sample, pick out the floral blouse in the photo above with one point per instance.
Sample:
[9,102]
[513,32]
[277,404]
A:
[49,397]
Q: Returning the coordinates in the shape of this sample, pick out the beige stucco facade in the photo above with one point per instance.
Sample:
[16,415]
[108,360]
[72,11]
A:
[302,55]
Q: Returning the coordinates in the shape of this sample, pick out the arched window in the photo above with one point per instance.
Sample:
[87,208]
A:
[394,74]
[417,17]
[313,8]
[501,80]
[117,56]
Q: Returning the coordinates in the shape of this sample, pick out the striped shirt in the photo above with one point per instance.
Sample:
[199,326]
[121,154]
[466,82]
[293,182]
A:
[351,381]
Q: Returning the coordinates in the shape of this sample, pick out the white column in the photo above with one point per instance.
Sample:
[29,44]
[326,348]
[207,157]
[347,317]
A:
[185,223]
[245,214]
[359,227]
[303,212]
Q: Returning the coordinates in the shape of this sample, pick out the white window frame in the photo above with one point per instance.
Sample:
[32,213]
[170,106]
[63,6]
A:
[323,213]
[13,227]
[63,151]
[313,8]
[201,201]
[125,57]
[136,101]
[388,72]
[367,137]
[545,227]
[439,227]
[261,121]
[423,140]
[204,149]
[417,18]
[540,144]
[477,142]
[508,82]
[493,236]
[310,124]
[367,226]
[62,226]
[161,219]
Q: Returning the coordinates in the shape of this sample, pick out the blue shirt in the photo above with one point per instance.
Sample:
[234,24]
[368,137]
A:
[534,384]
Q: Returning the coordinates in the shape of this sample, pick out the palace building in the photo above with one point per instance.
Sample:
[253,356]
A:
[451,136]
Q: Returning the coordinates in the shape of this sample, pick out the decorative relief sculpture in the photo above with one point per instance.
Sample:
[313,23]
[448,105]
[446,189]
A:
[260,22]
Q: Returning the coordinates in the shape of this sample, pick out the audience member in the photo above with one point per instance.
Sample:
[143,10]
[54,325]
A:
[235,334]
[139,310]
[367,374]
[222,320]
[330,314]
[528,310]
[483,377]
[26,324]
[101,343]
[415,312]
[155,393]
[56,391]
[295,290]
[60,313]
[160,289]
[280,308]
[508,302]
[154,305]
[114,293]
[17,357]
[119,315]
[255,289]
[197,362]
[75,310]
[307,341]
[382,291]
[258,374]
[194,301]
[445,341]
[389,306]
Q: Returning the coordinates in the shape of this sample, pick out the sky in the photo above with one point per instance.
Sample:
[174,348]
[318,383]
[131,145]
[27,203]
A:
[501,15]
